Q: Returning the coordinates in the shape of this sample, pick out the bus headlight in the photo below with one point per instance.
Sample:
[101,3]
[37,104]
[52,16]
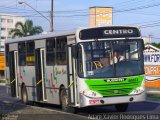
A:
[90,93]
[138,90]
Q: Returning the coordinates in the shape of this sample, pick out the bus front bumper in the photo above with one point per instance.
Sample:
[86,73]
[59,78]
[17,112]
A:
[86,101]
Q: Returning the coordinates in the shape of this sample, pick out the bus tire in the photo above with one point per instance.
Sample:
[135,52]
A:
[121,107]
[24,95]
[64,102]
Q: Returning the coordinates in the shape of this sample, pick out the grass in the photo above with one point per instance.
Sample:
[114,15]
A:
[155,96]
[2,81]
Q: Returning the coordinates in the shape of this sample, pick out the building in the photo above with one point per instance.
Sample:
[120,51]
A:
[7,23]
[147,40]
[148,45]
[150,48]
[100,16]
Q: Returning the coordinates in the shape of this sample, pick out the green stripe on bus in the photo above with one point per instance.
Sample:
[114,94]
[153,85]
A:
[114,86]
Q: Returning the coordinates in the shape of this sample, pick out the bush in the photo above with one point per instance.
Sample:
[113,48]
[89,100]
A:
[2,81]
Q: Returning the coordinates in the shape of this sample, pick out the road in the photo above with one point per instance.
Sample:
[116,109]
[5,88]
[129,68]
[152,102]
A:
[13,109]
[16,109]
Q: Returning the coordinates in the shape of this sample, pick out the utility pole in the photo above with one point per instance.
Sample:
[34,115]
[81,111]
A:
[150,38]
[51,17]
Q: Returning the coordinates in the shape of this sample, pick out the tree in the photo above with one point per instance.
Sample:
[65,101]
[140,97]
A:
[25,29]
[156,45]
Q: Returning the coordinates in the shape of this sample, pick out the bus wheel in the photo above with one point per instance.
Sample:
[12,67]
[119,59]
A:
[121,107]
[64,102]
[24,95]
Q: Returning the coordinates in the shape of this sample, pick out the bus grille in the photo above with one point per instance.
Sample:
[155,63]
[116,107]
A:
[114,92]
[114,89]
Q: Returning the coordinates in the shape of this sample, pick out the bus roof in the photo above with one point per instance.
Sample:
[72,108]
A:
[56,34]
[40,36]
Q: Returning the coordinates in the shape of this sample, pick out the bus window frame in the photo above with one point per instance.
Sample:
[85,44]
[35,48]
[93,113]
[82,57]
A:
[49,52]
[7,54]
[22,53]
[60,50]
[140,57]
[30,53]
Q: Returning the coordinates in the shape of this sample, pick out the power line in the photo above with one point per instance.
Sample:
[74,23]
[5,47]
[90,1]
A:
[149,26]
[84,10]
[140,2]
[120,3]
[145,22]
[149,14]
[138,8]
[116,11]
[47,12]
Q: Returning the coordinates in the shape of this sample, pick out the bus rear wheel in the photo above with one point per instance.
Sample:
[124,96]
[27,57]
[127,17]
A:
[121,107]
[24,95]
[64,102]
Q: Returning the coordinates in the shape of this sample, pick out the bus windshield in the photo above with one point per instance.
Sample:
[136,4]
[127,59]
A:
[109,59]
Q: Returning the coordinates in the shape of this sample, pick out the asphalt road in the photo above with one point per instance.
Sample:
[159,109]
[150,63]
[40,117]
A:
[13,108]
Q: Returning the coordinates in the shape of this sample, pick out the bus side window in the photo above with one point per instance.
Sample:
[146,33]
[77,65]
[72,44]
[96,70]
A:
[50,51]
[22,53]
[30,58]
[80,65]
[61,48]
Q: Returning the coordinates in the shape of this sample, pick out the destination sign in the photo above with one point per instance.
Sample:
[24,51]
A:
[109,32]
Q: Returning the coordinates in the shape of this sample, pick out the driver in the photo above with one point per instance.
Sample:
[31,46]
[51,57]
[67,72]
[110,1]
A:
[117,57]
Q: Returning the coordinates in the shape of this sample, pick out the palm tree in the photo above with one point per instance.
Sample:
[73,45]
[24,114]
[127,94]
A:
[25,29]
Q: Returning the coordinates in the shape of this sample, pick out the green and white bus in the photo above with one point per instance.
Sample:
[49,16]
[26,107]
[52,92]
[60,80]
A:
[77,69]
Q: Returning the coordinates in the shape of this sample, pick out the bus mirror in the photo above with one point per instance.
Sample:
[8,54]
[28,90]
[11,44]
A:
[74,51]
[143,46]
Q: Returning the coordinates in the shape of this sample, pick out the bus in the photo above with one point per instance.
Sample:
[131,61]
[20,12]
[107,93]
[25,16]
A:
[77,69]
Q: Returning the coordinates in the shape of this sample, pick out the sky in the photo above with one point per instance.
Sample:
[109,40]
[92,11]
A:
[71,14]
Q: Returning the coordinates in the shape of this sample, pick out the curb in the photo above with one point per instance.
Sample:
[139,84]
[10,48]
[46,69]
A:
[153,101]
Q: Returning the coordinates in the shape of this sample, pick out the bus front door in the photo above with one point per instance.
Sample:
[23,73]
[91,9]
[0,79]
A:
[40,75]
[13,70]
[72,81]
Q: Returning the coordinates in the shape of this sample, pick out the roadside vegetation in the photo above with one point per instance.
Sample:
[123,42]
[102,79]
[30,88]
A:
[156,45]
[2,80]
[25,29]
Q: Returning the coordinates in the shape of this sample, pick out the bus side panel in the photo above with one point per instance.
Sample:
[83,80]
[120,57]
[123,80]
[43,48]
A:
[51,87]
[61,73]
[27,75]
[55,77]
[7,81]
